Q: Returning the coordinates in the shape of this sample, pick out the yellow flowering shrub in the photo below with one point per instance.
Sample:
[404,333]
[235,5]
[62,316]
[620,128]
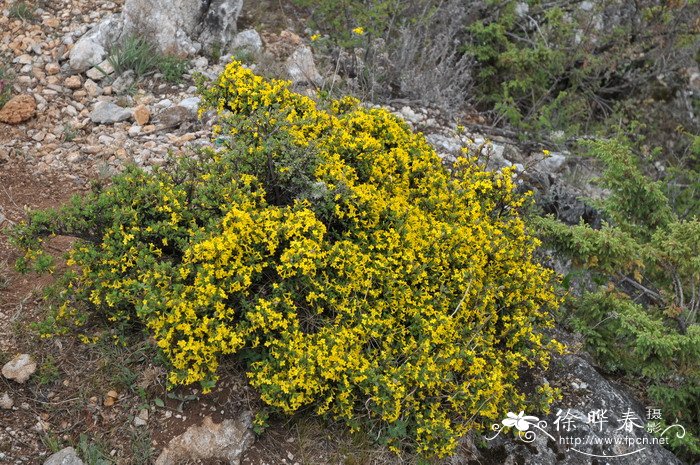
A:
[328,247]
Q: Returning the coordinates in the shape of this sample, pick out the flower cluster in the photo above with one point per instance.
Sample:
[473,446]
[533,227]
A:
[327,245]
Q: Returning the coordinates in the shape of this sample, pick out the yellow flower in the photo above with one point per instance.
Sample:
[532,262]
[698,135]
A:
[359,30]
[315,37]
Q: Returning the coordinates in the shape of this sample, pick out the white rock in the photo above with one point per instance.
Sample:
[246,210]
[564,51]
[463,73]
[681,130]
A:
[444,144]
[104,139]
[165,103]
[179,27]
[552,164]
[521,9]
[587,6]
[225,441]
[6,401]
[192,104]
[90,50]
[408,114]
[66,456]
[300,67]
[86,53]
[248,41]
[19,368]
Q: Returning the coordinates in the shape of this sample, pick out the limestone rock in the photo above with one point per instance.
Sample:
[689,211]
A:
[19,109]
[248,41]
[210,441]
[6,401]
[20,368]
[85,54]
[53,68]
[90,50]
[191,103]
[550,165]
[109,113]
[301,67]
[181,27]
[220,23]
[65,456]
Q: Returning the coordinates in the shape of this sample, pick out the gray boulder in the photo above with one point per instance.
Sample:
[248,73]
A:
[182,27]
[175,27]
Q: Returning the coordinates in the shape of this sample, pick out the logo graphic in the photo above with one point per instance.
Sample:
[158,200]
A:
[598,431]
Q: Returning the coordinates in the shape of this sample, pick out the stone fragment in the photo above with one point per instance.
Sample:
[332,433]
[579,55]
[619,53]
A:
[141,114]
[6,401]
[24,59]
[225,441]
[66,456]
[92,88]
[73,82]
[174,116]
[20,368]
[301,68]
[100,71]
[18,109]
[551,164]
[90,50]
[109,113]
[248,41]
[85,54]
[52,22]
[192,104]
[53,68]
[142,418]
[123,82]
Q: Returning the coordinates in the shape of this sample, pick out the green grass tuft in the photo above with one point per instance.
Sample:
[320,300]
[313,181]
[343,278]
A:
[21,10]
[142,57]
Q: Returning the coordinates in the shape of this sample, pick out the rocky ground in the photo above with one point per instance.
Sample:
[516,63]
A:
[69,125]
